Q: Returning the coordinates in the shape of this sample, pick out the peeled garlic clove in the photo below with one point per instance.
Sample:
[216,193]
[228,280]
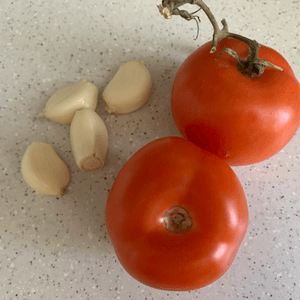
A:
[62,105]
[129,89]
[89,140]
[43,170]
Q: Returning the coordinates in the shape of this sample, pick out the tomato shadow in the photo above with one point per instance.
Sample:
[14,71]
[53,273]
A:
[84,207]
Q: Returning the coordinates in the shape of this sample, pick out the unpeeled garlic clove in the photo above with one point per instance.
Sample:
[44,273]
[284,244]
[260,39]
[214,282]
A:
[43,170]
[62,105]
[89,140]
[129,89]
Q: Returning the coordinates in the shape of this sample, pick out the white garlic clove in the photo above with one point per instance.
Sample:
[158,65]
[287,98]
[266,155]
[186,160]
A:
[43,170]
[129,89]
[62,105]
[89,140]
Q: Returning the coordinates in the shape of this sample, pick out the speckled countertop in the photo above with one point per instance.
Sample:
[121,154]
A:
[57,247]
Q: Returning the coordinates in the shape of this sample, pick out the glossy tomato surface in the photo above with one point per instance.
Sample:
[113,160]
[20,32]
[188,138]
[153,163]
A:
[167,173]
[243,120]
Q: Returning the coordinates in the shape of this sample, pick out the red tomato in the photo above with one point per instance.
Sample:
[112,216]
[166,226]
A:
[172,183]
[242,120]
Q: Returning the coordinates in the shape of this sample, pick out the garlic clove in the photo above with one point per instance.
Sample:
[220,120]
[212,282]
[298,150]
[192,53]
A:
[89,140]
[62,105]
[43,170]
[129,89]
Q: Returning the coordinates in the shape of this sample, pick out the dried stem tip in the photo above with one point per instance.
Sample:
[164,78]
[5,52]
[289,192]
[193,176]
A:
[250,67]
[178,220]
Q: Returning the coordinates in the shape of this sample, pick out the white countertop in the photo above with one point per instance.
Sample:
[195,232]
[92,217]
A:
[57,247]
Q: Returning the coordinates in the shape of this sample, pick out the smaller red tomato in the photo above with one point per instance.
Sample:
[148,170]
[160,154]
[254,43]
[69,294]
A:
[176,215]
[243,120]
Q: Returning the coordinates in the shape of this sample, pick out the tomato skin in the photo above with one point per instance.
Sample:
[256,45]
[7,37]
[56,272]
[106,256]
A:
[170,172]
[242,120]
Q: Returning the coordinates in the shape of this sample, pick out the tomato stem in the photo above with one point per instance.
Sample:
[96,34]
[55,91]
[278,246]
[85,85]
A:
[250,67]
[178,220]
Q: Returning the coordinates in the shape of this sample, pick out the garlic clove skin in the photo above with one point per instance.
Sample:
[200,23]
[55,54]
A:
[62,105]
[43,170]
[89,140]
[129,89]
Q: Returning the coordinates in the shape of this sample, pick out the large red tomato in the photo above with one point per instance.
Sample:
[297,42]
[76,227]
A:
[243,120]
[176,215]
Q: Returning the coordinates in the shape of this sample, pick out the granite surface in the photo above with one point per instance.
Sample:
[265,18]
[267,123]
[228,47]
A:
[57,247]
